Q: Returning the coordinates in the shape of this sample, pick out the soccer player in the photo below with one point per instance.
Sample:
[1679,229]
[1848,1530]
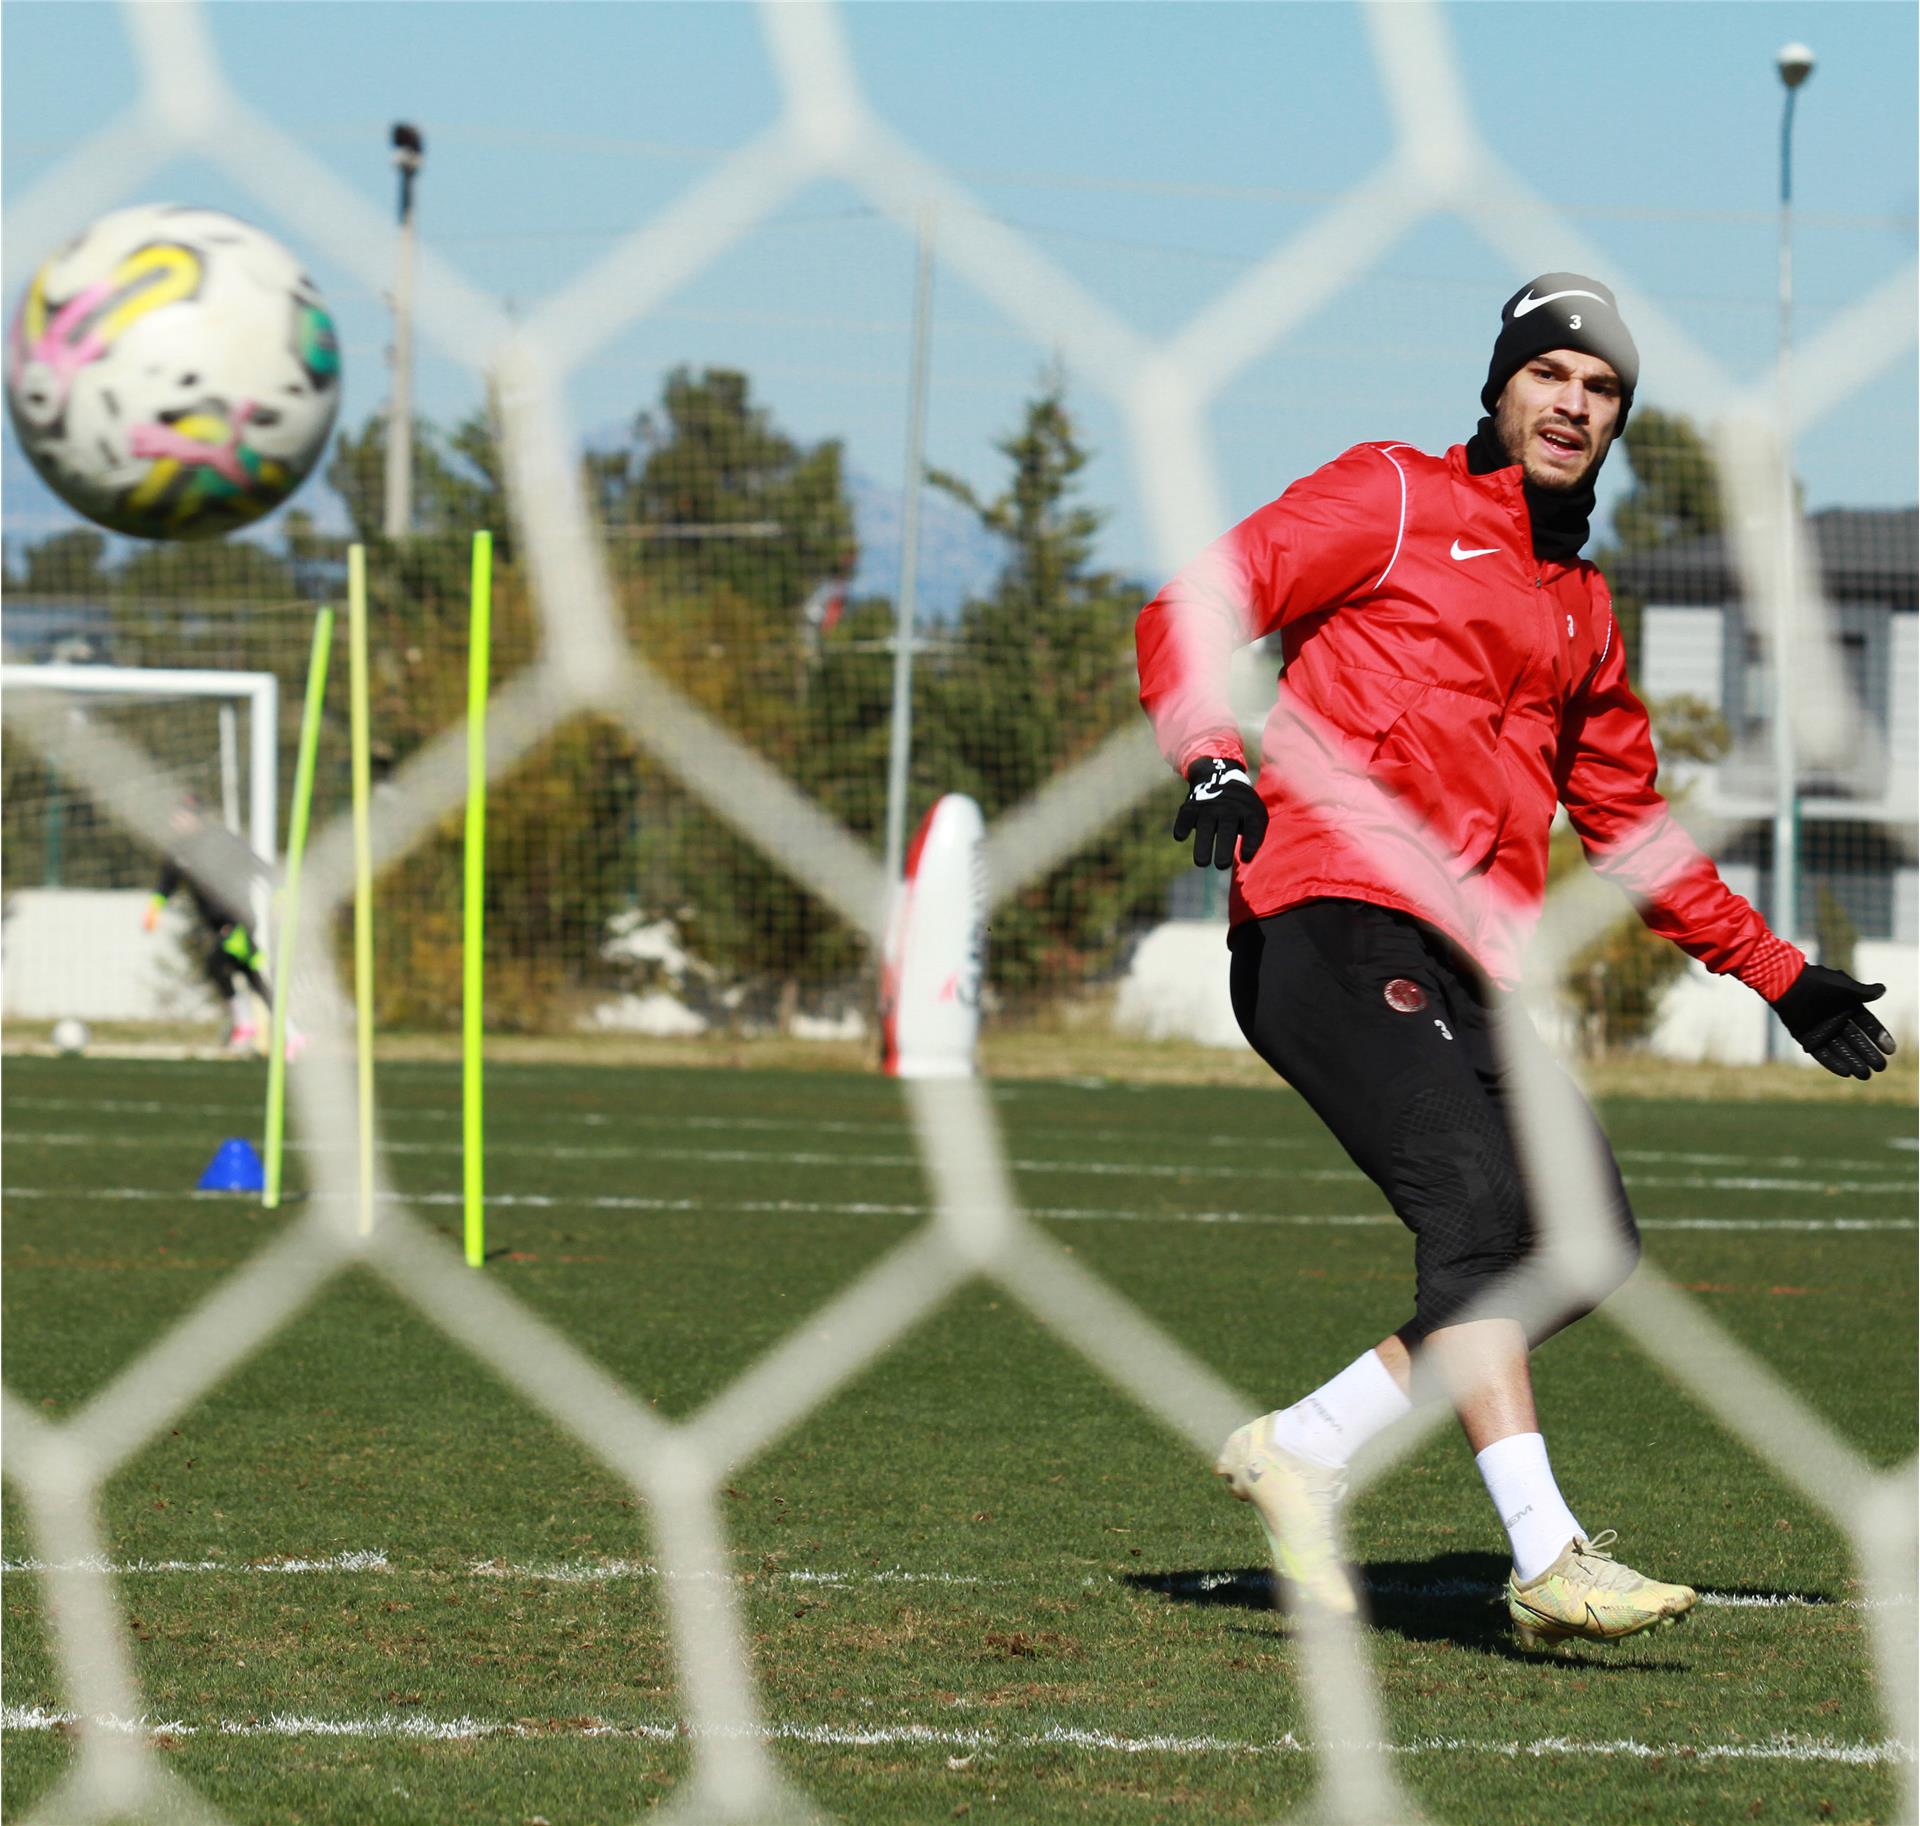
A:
[232,961]
[1453,672]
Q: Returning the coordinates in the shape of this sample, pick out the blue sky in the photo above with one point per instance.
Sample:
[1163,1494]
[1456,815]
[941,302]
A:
[1153,150]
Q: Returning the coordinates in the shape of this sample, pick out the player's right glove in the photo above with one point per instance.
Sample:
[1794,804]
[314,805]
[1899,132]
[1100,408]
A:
[1220,808]
[1826,1011]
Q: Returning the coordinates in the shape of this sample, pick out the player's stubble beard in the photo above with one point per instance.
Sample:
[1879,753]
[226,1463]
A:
[1510,426]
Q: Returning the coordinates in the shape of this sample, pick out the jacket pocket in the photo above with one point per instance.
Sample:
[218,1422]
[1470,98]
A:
[1439,760]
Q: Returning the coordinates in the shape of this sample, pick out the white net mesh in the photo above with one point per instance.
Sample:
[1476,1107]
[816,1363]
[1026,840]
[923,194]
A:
[587,660]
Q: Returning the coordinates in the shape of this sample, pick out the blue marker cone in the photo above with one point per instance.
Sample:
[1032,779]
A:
[235,1167]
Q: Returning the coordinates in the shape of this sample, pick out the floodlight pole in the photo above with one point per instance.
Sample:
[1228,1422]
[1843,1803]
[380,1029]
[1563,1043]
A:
[409,153]
[1795,64]
[901,742]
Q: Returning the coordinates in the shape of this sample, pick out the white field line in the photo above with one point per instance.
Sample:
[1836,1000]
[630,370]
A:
[371,1561]
[505,1148]
[559,1572]
[1783,1748]
[804,1207]
[1089,1169]
[602,1572]
[596,1572]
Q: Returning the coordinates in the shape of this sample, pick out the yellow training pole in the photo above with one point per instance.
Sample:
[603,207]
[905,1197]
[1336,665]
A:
[362,867]
[474,931]
[290,903]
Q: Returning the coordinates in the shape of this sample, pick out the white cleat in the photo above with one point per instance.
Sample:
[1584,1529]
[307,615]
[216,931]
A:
[1298,1503]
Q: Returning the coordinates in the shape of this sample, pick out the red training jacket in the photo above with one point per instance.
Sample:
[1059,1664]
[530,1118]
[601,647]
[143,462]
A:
[1444,690]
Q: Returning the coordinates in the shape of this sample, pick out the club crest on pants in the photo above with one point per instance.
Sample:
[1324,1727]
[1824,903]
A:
[1404,996]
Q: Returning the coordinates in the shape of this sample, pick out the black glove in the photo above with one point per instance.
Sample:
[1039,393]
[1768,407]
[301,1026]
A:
[1826,1011]
[1220,806]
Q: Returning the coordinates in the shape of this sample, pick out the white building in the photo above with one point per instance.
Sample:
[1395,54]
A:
[1858,801]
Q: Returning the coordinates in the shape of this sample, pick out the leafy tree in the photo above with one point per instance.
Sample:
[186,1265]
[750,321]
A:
[236,570]
[1676,483]
[710,493]
[66,564]
[721,527]
[316,561]
[459,482]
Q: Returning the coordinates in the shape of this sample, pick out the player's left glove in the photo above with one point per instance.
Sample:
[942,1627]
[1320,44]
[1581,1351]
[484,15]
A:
[1220,807]
[1826,1011]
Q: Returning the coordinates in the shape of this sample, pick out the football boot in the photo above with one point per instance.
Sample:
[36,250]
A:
[1298,1503]
[1587,1593]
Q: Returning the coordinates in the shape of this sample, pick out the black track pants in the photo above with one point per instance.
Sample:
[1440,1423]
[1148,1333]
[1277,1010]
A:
[1387,1031]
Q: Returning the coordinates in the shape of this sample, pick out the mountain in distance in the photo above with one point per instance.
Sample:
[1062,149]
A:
[958,557]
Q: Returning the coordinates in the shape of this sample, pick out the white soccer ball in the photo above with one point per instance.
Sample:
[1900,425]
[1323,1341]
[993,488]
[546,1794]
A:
[70,1036]
[172,372]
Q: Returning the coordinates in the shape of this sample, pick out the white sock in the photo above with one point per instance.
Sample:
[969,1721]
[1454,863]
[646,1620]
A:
[1340,1416]
[1528,1502]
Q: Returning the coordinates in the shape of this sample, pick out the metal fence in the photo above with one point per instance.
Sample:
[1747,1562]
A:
[617,898]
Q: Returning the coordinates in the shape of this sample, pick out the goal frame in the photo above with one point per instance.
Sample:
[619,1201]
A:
[259,692]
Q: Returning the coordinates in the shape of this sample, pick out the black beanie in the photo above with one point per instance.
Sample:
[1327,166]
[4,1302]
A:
[1562,311]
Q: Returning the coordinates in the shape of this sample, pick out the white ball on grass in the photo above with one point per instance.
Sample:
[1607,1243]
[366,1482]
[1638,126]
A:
[70,1037]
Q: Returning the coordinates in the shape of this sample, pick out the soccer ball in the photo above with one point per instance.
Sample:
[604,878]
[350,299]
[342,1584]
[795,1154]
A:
[70,1036]
[172,373]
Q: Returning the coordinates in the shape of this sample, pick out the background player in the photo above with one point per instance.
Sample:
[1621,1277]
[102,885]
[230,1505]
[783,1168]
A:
[233,962]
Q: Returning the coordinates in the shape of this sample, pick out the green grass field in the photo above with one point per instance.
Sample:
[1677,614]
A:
[978,1581]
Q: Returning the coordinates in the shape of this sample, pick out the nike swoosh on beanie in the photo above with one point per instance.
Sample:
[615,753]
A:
[1562,311]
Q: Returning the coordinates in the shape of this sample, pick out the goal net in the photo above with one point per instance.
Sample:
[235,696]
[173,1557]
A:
[75,876]
[214,735]
[648,659]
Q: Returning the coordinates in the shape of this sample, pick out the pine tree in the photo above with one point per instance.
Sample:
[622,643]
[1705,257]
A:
[1040,672]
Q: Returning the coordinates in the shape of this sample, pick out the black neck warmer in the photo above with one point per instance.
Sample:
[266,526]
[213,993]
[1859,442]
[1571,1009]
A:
[1560,516]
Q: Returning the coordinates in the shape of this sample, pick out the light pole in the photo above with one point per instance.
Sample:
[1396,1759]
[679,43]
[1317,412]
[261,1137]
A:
[1795,63]
[409,153]
[900,740]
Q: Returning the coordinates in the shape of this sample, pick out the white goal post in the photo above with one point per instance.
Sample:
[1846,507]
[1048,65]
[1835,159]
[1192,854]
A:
[258,692]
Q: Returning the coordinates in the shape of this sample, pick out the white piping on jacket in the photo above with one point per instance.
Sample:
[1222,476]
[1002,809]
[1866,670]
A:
[1385,450]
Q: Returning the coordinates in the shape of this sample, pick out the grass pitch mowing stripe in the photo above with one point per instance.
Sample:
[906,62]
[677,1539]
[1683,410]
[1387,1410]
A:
[554,1153]
[1090,1583]
[738,1123]
[802,1207]
[1254,1586]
